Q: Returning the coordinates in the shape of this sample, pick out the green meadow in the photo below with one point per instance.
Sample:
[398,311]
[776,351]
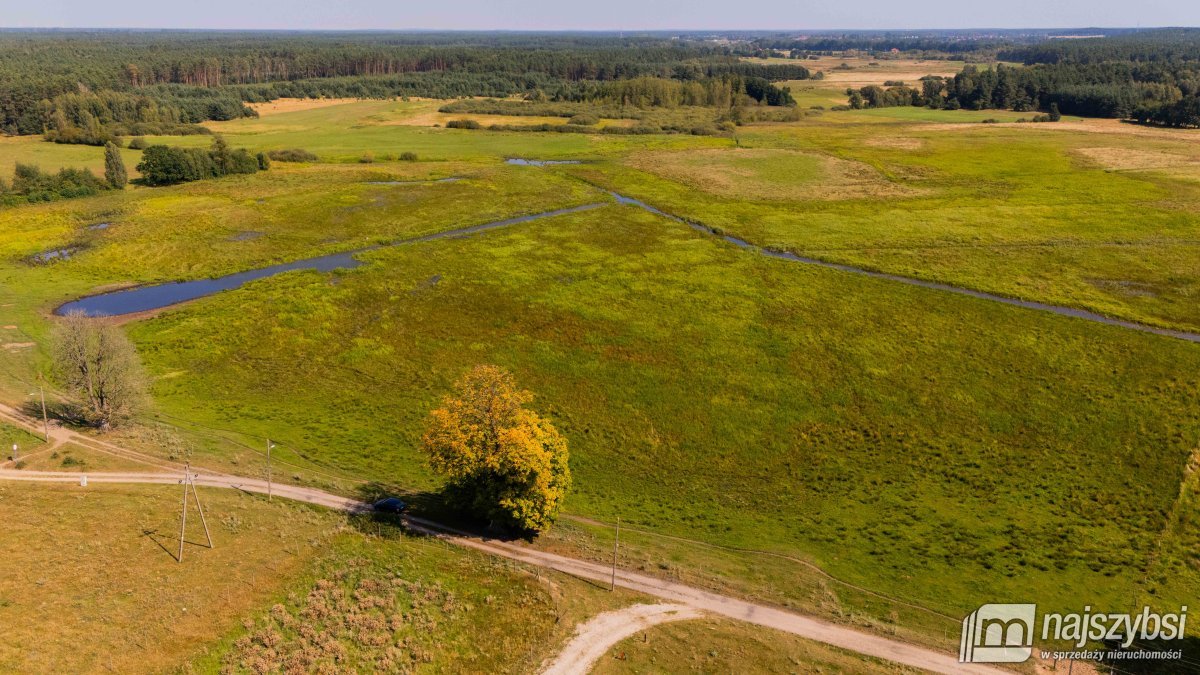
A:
[919,444]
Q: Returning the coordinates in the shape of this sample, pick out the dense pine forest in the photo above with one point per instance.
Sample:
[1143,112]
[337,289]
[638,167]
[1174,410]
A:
[89,87]
[93,87]
[1150,76]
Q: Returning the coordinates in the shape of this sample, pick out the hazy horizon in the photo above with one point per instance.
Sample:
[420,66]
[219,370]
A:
[618,15]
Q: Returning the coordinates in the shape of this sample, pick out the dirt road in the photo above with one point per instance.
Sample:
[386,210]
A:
[695,598]
[594,638]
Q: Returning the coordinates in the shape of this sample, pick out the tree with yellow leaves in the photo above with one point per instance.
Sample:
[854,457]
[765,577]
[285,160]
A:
[501,461]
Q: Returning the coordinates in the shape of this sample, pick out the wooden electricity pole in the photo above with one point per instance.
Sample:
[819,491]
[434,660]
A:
[616,544]
[183,518]
[189,481]
[269,446]
[45,417]
[200,510]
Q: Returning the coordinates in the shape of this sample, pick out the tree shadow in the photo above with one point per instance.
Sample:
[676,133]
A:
[434,506]
[65,414]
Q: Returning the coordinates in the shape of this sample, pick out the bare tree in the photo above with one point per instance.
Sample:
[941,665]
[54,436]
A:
[100,365]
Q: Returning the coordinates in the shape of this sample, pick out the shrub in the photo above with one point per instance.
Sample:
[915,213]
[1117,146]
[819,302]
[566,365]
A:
[165,165]
[583,119]
[408,156]
[137,143]
[368,157]
[463,124]
[32,185]
[292,155]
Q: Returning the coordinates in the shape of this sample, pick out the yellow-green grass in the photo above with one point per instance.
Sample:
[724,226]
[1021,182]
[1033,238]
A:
[346,132]
[916,443]
[209,228]
[721,646]
[26,442]
[909,441]
[1011,210]
[54,156]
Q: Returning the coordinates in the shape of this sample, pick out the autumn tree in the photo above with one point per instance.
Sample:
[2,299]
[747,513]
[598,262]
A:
[502,461]
[100,366]
[114,167]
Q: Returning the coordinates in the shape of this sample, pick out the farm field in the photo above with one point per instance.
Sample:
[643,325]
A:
[922,445]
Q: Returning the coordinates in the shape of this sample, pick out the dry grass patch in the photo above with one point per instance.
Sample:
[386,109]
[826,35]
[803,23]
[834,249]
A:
[894,142]
[1125,159]
[92,584]
[771,175]
[1087,125]
[287,105]
[74,457]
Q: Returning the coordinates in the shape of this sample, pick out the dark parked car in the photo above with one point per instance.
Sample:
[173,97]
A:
[390,505]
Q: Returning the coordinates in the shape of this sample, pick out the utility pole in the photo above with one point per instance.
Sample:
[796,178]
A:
[616,544]
[183,520]
[200,509]
[269,446]
[189,481]
[45,417]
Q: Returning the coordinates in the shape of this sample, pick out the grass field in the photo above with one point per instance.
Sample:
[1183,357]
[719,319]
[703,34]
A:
[924,445]
[93,586]
[896,458]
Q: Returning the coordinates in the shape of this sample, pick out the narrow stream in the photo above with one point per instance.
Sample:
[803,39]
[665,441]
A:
[1027,304]
[146,298]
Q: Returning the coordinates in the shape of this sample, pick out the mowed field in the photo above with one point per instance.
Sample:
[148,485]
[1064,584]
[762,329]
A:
[924,445]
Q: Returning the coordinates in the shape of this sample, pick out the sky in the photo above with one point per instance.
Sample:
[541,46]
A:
[629,15]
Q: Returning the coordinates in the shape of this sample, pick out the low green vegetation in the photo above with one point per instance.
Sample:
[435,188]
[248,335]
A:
[10,436]
[933,448]
[930,460]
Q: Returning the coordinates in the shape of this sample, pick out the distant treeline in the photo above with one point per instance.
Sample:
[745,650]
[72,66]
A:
[169,79]
[1152,77]
[1166,45]
[653,92]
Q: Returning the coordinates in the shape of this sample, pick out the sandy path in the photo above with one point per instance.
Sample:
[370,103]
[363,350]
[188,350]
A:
[593,639]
